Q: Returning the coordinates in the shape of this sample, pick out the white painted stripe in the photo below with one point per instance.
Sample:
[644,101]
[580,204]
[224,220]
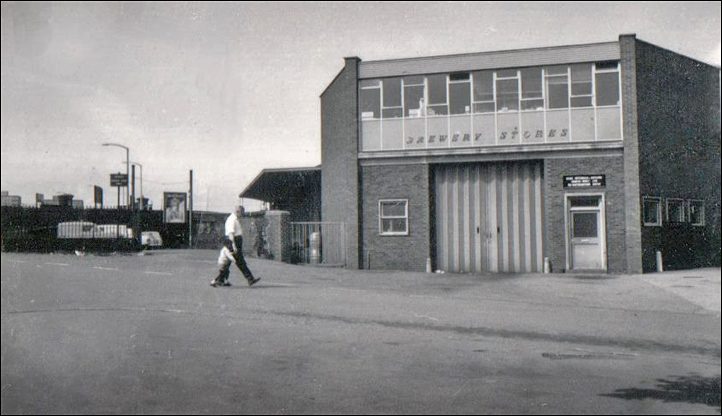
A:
[504,219]
[58,264]
[539,218]
[516,255]
[491,218]
[444,231]
[160,273]
[477,219]
[106,268]
[527,222]
[467,223]
[455,219]
[484,216]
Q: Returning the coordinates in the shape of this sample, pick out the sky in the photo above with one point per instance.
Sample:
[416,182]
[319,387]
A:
[228,89]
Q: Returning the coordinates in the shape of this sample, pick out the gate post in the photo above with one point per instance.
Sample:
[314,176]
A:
[279,235]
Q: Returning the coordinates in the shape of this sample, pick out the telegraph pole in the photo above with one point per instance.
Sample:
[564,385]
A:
[132,200]
[190,212]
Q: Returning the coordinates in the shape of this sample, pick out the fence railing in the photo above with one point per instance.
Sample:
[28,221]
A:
[322,243]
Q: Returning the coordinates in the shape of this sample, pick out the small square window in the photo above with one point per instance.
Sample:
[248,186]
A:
[394,217]
[696,212]
[675,210]
[652,211]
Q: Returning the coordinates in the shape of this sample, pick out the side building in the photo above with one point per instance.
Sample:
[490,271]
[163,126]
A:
[592,156]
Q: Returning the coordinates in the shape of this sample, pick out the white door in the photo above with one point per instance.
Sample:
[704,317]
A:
[586,233]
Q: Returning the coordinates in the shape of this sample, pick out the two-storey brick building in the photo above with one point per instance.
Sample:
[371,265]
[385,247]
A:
[594,156]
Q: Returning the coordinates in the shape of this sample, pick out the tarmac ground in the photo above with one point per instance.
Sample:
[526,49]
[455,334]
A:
[147,334]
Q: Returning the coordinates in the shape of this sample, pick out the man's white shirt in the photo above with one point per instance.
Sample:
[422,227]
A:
[233,227]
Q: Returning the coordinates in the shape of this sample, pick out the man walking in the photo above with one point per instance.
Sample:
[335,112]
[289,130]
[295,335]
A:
[234,236]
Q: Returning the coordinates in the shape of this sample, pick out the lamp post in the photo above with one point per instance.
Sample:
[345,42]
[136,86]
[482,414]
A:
[142,203]
[127,167]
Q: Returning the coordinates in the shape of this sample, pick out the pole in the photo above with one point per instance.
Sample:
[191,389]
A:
[117,228]
[190,213]
[127,174]
[132,200]
[142,202]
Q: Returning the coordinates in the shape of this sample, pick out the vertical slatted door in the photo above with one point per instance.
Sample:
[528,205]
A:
[489,217]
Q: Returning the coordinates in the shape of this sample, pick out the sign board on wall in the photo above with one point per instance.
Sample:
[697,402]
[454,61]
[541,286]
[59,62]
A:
[585,181]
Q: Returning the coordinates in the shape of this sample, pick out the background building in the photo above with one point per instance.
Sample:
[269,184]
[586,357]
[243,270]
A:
[10,200]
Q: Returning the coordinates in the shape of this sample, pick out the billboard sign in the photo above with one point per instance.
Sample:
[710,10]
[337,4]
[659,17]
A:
[174,207]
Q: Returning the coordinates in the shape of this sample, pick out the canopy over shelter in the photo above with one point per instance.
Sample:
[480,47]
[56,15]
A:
[296,190]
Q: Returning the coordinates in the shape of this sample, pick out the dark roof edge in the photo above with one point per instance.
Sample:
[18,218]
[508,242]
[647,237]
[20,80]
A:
[678,54]
[489,52]
[277,170]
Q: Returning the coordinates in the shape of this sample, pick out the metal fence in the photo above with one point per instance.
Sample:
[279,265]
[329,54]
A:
[322,243]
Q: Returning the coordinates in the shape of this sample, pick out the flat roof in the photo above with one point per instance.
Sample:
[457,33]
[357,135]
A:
[277,184]
[514,58]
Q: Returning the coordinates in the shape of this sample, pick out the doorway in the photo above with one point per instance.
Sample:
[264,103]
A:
[586,232]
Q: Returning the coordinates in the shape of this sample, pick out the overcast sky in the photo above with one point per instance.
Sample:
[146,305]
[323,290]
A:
[227,89]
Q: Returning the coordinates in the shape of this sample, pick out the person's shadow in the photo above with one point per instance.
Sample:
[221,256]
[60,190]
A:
[693,389]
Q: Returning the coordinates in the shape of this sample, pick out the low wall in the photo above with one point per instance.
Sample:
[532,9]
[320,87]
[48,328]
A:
[267,236]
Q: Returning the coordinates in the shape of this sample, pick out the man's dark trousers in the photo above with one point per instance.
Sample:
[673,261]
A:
[240,261]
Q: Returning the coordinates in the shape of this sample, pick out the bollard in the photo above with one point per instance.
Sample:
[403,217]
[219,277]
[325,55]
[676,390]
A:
[428,265]
[660,264]
[547,265]
[315,243]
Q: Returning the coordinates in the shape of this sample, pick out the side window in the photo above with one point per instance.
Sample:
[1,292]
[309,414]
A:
[675,210]
[394,217]
[696,212]
[652,211]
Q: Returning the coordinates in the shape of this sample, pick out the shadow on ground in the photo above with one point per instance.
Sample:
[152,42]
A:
[692,389]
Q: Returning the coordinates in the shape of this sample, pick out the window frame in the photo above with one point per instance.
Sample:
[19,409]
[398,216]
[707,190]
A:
[380,100]
[684,211]
[689,212]
[591,93]
[404,217]
[486,84]
[658,200]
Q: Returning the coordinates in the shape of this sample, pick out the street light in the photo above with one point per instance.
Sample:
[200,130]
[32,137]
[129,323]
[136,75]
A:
[142,203]
[127,167]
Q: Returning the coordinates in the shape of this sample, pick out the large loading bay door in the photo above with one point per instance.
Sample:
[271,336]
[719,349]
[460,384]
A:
[489,217]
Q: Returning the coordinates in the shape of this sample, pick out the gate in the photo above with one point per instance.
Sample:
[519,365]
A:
[322,243]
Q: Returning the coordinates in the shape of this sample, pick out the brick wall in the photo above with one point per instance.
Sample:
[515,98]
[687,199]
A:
[679,133]
[339,156]
[632,203]
[554,236]
[396,182]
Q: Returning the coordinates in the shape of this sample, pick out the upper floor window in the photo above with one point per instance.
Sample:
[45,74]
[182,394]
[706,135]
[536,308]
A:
[483,92]
[581,85]
[531,105]
[532,94]
[370,99]
[557,87]
[460,93]
[437,104]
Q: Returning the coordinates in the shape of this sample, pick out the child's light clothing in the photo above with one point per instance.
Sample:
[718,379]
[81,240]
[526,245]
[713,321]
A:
[225,257]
